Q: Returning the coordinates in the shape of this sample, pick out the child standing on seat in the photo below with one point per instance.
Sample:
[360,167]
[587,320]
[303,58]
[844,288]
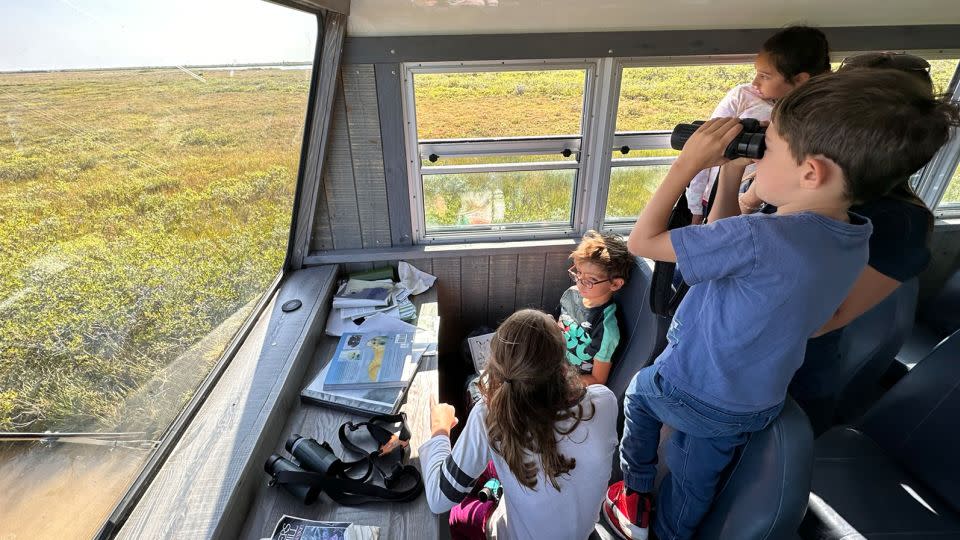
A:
[788,59]
[550,439]
[587,313]
[761,284]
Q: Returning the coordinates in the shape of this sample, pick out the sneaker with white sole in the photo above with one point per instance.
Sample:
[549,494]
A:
[627,515]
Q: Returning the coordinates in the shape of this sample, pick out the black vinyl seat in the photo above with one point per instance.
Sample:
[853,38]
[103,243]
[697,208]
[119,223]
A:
[868,347]
[894,474]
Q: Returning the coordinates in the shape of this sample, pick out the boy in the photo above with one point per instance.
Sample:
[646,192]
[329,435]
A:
[761,284]
[587,313]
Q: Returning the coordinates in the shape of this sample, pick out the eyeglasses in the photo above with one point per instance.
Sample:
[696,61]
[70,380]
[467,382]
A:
[587,283]
[901,61]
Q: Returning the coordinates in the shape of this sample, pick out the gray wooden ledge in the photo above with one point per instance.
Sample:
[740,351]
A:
[205,487]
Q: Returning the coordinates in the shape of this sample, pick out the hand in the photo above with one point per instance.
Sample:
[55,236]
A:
[705,147]
[696,219]
[443,418]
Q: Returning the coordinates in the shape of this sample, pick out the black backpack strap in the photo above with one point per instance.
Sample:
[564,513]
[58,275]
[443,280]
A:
[350,492]
[386,439]
[664,298]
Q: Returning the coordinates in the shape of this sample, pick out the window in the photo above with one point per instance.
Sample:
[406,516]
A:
[148,162]
[497,148]
[653,99]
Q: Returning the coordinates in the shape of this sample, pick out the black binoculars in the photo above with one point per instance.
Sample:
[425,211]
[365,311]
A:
[310,456]
[749,142]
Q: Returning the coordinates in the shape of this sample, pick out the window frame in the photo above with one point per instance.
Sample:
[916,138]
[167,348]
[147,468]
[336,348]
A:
[644,140]
[514,145]
[935,178]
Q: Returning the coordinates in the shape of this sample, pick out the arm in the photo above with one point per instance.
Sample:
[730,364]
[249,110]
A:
[749,202]
[601,372]
[449,475]
[727,202]
[650,237]
[729,106]
[869,290]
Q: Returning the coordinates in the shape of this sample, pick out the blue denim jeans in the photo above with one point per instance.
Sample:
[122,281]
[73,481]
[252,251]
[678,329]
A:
[702,446]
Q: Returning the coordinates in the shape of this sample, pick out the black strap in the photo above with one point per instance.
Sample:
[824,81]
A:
[350,492]
[339,479]
[664,298]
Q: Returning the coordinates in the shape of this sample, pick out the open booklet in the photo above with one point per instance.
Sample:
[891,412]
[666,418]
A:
[384,399]
[294,528]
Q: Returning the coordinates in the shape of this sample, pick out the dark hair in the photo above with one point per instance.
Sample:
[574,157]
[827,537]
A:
[798,49]
[529,387]
[919,69]
[907,63]
[607,251]
[879,126]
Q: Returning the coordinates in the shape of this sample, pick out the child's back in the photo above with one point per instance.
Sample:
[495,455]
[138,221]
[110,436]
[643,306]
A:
[542,512]
[760,288]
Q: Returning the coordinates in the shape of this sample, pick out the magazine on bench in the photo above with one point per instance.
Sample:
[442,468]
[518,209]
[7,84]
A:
[294,528]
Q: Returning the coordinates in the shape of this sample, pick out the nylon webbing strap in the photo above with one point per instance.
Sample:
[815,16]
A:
[664,297]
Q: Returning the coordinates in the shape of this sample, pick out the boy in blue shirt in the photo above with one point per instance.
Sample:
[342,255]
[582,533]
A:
[761,284]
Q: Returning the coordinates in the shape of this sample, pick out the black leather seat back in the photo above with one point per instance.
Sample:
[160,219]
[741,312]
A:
[870,344]
[916,422]
[942,312]
[639,328]
[765,493]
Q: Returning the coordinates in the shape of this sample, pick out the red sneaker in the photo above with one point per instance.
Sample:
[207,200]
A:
[627,515]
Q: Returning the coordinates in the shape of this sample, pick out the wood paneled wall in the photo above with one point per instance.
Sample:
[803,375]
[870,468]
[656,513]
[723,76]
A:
[352,211]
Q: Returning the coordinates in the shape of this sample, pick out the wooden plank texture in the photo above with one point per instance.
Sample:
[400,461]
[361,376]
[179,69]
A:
[474,287]
[530,280]
[448,295]
[338,182]
[555,279]
[502,287]
[363,123]
[322,234]
[390,104]
[335,27]
[200,492]
[396,520]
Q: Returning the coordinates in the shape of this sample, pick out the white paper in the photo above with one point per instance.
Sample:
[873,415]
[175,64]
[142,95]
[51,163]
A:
[480,350]
[380,322]
[414,280]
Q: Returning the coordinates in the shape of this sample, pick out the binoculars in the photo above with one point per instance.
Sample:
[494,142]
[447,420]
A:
[310,456]
[749,142]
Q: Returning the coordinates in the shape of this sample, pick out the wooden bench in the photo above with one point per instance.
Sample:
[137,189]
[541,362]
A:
[396,520]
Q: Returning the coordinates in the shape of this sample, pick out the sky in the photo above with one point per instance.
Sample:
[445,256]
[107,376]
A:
[75,34]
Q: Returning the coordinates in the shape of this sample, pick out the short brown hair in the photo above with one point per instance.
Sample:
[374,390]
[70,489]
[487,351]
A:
[607,251]
[879,126]
[531,390]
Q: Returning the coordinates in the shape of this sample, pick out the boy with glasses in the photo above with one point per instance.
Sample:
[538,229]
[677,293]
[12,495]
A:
[587,313]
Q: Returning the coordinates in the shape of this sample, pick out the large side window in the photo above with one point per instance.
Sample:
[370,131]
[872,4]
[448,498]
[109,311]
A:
[495,150]
[148,160]
[653,99]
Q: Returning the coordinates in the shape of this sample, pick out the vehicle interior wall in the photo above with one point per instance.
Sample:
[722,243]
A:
[364,206]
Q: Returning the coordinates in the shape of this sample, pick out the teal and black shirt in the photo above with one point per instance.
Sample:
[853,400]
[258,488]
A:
[592,333]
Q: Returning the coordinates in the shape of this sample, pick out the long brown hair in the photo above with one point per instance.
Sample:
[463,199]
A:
[529,388]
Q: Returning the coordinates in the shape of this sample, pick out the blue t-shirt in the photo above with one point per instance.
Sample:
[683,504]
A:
[760,286]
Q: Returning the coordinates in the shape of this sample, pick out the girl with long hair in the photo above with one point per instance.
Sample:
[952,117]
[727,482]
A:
[550,439]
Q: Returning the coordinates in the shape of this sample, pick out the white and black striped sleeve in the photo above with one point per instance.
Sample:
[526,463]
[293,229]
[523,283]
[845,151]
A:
[448,476]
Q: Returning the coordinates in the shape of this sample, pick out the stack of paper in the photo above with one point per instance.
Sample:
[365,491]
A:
[357,300]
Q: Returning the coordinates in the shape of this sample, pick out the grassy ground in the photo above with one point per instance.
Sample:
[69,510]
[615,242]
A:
[140,210]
